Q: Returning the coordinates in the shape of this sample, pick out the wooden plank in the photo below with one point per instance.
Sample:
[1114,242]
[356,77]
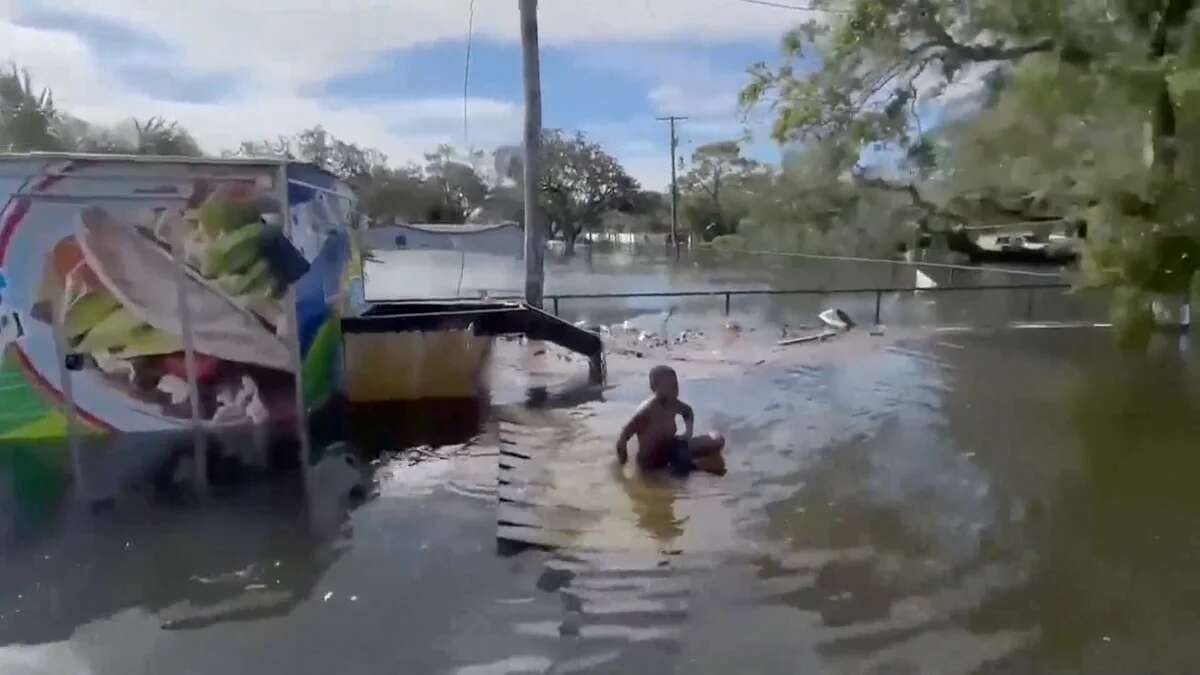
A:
[546,517]
[807,338]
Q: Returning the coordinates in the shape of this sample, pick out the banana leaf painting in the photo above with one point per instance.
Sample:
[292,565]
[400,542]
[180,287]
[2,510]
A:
[97,258]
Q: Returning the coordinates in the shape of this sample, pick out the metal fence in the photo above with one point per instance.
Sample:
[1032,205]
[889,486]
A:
[556,301]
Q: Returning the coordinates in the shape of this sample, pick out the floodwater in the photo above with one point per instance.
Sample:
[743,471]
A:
[1016,500]
[432,274]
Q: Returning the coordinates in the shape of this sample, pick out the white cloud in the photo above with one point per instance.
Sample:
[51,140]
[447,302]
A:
[277,49]
[403,130]
[286,43]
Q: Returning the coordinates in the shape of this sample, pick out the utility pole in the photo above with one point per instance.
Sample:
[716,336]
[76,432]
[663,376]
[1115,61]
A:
[674,185]
[535,242]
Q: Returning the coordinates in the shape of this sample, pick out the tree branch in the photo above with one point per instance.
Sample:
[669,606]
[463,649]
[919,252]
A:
[907,188]
[996,51]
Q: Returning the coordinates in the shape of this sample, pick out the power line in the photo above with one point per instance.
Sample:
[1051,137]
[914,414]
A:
[674,184]
[467,72]
[797,8]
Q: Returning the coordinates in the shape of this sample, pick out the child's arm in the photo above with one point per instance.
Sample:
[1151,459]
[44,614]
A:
[631,427]
[689,420]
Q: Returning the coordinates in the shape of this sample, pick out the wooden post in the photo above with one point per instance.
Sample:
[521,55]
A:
[535,245]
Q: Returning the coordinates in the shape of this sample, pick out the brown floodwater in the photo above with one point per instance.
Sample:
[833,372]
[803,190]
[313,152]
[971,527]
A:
[1008,500]
[954,502]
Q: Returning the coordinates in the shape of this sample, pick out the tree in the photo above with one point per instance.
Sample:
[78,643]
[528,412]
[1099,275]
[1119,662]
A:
[29,121]
[157,136]
[401,194]
[348,161]
[648,211]
[718,169]
[579,183]
[804,207]
[1093,108]
[461,188]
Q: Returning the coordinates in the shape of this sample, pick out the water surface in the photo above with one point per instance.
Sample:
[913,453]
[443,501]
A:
[1012,501]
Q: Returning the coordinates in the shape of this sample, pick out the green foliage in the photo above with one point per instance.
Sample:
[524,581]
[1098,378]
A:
[647,211]
[157,136]
[461,188]
[28,118]
[1073,108]
[718,189]
[579,182]
[30,122]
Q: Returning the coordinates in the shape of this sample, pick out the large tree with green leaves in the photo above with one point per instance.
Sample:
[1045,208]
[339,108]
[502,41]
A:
[578,183]
[1088,105]
[716,187]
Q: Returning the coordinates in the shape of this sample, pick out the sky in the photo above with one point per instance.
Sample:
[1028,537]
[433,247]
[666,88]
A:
[390,73]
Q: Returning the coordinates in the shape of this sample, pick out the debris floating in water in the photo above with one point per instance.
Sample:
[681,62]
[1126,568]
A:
[836,319]
[822,336]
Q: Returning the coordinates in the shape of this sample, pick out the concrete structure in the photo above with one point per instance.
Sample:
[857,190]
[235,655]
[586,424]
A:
[503,239]
[441,261]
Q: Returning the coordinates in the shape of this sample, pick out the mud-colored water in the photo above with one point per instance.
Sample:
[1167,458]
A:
[1020,501]
[922,501]
[652,270]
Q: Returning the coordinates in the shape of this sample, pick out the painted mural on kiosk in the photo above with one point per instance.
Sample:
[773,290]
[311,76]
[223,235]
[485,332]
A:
[91,249]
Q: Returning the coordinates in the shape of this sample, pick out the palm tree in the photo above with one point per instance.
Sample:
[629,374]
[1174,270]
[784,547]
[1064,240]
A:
[157,136]
[28,119]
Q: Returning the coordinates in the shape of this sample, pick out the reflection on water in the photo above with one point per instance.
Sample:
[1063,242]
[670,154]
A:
[1018,501]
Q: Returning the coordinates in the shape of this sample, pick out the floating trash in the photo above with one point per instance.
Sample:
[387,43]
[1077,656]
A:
[836,319]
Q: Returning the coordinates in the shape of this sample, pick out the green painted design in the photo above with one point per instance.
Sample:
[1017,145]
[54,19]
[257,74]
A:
[20,404]
[321,363]
[38,474]
[52,424]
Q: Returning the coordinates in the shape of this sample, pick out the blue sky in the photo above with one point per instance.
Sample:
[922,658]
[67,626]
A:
[390,73]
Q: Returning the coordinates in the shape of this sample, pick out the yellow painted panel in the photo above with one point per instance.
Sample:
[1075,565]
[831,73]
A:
[414,365]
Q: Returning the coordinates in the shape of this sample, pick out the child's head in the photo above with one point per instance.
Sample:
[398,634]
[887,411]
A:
[664,383]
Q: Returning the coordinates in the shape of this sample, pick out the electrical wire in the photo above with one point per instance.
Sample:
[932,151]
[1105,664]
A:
[467,72]
[797,8]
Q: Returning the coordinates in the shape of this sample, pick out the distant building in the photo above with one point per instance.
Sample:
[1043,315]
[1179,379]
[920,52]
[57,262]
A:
[439,261]
[501,239]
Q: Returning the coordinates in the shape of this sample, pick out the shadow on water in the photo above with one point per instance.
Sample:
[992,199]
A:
[125,529]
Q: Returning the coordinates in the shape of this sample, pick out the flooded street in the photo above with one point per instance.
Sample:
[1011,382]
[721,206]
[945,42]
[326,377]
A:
[927,501]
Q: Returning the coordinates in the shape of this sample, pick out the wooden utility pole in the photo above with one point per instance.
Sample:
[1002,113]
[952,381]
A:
[535,241]
[674,186]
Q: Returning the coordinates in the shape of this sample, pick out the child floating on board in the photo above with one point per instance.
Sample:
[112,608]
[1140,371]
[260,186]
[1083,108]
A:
[654,425]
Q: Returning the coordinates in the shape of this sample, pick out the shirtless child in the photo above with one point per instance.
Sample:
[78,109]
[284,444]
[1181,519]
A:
[654,426]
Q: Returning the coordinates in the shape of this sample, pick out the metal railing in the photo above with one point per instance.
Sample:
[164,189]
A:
[554,299]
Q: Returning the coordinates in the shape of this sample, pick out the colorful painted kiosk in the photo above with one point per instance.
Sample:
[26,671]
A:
[168,295]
